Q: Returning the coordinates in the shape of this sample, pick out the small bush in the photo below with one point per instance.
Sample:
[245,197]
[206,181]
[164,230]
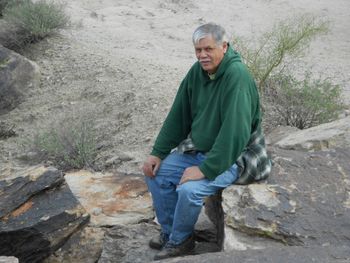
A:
[6,130]
[70,143]
[305,103]
[36,20]
[288,39]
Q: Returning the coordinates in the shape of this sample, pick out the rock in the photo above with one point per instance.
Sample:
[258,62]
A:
[112,198]
[82,247]
[15,192]
[129,244]
[306,201]
[8,259]
[17,76]
[283,254]
[325,136]
[38,214]
[279,133]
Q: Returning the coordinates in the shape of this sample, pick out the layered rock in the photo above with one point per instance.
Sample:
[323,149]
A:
[324,136]
[112,199]
[38,213]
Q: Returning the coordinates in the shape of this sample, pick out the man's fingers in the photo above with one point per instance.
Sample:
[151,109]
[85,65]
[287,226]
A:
[148,170]
[155,168]
[183,179]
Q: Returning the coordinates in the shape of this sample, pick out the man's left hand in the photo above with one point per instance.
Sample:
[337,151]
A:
[191,174]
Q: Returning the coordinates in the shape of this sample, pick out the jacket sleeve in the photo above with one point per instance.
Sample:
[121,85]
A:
[238,106]
[177,124]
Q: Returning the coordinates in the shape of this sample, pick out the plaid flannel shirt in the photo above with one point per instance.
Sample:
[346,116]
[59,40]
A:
[253,164]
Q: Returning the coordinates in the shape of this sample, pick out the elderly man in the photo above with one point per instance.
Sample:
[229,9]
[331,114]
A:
[215,113]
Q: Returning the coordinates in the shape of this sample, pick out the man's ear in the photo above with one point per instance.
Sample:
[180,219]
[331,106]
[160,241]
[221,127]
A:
[224,46]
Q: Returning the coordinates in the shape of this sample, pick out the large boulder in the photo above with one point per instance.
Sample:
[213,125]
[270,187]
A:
[38,213]
[325,136]
[306,200]
[17,76]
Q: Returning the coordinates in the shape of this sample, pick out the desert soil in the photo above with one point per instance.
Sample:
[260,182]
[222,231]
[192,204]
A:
[121,63]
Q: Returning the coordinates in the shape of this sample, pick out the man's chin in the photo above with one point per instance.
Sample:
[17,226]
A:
[206,67]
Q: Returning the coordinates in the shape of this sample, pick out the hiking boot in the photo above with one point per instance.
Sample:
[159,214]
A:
[172,250]
[159,241]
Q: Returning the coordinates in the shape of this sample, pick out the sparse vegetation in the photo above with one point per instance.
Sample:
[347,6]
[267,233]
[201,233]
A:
[298,102]
[305,103]
[69,143]
[35,20]
[6,130]
[288,39]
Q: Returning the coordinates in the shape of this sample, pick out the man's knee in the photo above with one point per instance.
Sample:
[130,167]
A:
[189,191]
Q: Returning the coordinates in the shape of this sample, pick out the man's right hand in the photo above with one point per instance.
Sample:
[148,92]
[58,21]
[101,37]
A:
[151,166]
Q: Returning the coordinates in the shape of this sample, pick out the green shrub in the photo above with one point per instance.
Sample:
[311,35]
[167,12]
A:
[70,143]
[36,20]
[305,103]
[288,39]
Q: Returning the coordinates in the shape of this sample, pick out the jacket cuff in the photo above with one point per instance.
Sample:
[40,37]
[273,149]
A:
[208,173]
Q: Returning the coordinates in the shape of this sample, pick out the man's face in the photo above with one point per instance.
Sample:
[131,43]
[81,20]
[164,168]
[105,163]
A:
[209,54]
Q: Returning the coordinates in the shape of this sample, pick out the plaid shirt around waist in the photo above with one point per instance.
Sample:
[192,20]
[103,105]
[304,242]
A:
[253,164]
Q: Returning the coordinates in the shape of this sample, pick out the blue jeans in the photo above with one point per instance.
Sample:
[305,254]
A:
[178,206]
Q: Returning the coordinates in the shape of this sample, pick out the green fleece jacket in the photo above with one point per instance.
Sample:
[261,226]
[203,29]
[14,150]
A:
[219,114]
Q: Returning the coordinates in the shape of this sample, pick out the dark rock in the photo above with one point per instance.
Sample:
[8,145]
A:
[17,76]
[38,214]
[285,255]
[15,192]
[215,213]
[82,247]
[129,244]
[306,201]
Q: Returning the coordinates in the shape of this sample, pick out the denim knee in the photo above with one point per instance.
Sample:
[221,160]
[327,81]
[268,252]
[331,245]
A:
[189,192]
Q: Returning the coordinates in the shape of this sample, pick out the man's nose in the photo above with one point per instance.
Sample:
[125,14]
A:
[202,53]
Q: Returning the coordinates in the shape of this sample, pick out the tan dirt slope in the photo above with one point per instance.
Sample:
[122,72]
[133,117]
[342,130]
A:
[122,61]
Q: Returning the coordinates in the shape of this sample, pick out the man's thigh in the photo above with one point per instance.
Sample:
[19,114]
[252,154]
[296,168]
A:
[174,165]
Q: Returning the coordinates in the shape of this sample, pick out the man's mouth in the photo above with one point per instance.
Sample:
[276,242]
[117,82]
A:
[205,62]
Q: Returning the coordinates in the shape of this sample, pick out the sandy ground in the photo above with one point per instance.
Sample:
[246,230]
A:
[122,61]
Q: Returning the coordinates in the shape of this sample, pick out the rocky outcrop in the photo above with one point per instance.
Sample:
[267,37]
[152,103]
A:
[285,255]
[17,76]
[325,136]
[306,200]
[112,199]
[38,213]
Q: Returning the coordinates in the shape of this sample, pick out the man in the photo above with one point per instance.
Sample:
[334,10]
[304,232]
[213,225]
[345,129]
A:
[211,122]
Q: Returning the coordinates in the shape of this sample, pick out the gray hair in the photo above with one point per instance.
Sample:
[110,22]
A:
[210,29]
